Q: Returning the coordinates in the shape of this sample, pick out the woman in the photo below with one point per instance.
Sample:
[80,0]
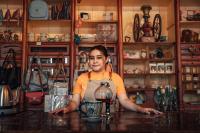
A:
[88,82]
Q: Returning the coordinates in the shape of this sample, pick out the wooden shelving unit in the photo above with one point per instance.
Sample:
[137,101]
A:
[188,58]
[137,67]
[123,13]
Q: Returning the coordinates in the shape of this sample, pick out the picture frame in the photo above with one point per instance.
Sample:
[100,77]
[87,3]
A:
[152,68]
[160,68]
[169,68]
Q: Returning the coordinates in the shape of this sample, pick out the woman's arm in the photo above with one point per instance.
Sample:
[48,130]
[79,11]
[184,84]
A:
[128,104]
[73,105]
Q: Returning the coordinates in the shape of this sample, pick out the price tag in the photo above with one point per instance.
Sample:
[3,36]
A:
[38,43]
[66,60]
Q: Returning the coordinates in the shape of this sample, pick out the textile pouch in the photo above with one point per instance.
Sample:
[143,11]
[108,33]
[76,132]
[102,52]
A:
[35,98]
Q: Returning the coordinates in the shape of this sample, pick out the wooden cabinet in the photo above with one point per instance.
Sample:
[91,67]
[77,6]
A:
[189,54]
[97,24]
[50,38]
[11,29]
[148,65]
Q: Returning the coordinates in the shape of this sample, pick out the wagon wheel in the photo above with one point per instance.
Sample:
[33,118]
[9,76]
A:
[136,28]
[157,27]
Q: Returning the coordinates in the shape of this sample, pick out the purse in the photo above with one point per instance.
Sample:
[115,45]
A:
[59,87]
[9,71]
[35,79]
[36,82]
[35,98]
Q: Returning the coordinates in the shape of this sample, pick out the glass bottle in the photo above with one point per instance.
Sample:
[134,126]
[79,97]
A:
[104,93]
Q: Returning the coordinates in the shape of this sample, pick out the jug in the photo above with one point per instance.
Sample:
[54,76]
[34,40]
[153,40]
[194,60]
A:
[7,100]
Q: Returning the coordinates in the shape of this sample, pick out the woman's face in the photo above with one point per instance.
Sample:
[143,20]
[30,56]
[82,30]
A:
[97,60]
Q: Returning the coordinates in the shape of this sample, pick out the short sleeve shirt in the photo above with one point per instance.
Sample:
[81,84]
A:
[81,83]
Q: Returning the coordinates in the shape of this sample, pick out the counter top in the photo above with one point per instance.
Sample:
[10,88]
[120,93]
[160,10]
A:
[38,122]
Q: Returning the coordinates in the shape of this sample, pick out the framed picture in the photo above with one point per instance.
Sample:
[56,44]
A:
[153,68]
[160,68]
[169,67]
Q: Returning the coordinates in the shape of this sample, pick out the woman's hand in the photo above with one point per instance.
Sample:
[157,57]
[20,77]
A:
[150,111]
[61,110]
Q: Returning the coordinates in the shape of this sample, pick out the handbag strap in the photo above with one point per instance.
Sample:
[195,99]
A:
[60,68]
[34,64]
[10,58]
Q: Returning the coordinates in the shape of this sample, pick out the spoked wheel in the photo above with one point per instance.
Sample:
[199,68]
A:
[157,27]
[136,28]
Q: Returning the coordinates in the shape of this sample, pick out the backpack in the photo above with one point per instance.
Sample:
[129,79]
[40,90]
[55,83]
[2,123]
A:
[38,10]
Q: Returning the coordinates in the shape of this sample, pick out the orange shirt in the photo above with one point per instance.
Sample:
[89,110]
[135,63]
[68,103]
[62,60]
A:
[81,83]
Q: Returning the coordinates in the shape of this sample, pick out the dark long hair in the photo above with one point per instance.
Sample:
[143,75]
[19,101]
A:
[100,48]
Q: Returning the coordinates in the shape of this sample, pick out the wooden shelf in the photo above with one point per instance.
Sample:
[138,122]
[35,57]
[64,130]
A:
[52,65]
[188,44]
[12,23]
[138,3]
[49,44]
[98,21]
[190,63]
[130,75]
[126,75]
[148,43]
[192,81]
[50,21]
[84,43]
[192,106]
[10,42]
[130,60]
[189,73]
[131,89]
[162,60]
[191,59]
[190,23]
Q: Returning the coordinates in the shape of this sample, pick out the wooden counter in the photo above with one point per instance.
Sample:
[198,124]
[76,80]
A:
[39,122]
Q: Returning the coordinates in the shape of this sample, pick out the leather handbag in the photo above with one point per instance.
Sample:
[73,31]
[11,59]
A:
[9,70]
[36,82]
[59,85]
[38,10]
[35,98]
[35,79]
